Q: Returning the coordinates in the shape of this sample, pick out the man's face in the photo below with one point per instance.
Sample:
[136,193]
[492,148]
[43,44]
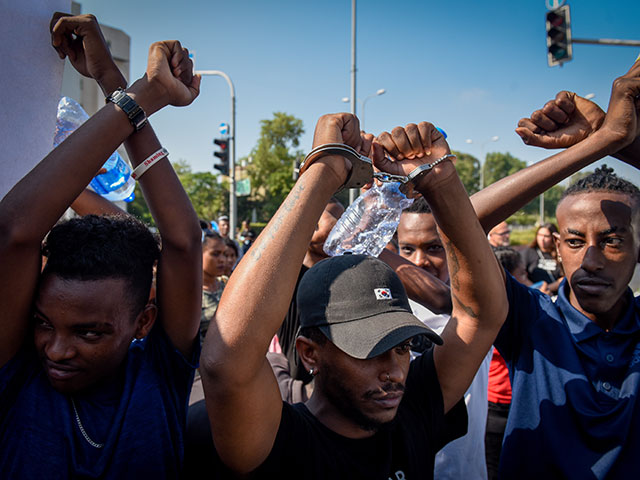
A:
[223,227]
[359,394]
[213,259]
[598,242]
[82,330]
[500,235]
[419,242]
[327,221]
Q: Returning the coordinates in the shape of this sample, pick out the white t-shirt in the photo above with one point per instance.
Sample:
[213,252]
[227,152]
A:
[464,457]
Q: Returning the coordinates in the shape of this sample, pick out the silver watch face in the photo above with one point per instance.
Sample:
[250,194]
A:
[118,95]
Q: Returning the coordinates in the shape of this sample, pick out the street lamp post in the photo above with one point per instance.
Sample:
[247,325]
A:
[380,91]
[364,102]
[233,210]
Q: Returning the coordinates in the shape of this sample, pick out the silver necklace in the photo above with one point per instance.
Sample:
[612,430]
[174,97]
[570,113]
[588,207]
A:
[84,433]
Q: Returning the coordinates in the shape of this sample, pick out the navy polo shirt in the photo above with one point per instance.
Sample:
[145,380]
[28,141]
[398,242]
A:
[139,419]
[575,410]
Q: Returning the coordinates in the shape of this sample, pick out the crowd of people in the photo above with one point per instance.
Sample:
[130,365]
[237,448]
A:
[451,355]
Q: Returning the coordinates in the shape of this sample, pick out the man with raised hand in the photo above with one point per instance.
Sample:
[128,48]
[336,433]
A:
[371,415]
[94,379]
[575,363]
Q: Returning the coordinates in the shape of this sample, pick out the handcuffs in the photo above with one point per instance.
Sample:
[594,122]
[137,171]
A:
[362,169]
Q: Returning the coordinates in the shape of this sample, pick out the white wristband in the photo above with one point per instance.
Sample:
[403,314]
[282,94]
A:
[148,163]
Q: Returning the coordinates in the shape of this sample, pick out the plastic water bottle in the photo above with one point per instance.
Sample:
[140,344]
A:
[116,183]
[369,223]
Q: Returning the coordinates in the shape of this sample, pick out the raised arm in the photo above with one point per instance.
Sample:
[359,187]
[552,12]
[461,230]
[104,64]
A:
[421,286]
[478,307]
[568,121]
[243,399]
[179,274]
[32,207]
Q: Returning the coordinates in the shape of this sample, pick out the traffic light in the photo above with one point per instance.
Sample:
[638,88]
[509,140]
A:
[559,49]
[223,155]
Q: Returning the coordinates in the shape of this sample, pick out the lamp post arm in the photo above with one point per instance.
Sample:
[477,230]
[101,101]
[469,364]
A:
[233,210]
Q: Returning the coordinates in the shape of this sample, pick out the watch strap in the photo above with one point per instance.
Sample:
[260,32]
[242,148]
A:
[128,105]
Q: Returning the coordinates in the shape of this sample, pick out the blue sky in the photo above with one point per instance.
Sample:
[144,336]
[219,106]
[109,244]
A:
[473,68]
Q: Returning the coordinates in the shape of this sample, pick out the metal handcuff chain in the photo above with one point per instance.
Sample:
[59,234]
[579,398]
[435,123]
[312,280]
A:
[362,168]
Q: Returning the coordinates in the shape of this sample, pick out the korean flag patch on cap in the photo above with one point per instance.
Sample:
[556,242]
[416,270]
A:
[382,293]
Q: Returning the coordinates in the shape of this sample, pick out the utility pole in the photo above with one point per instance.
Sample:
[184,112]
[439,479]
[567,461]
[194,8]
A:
[353,193]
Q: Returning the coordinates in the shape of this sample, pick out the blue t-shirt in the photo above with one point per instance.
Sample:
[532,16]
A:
[575,411]
[140,418]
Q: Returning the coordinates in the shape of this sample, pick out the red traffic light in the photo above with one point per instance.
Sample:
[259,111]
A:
[554,19]
[222,143]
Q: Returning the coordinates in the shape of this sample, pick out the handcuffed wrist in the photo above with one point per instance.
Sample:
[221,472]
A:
[415,176]
[361,171]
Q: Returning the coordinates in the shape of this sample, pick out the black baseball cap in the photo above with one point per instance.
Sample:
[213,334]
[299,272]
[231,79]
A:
[360,304]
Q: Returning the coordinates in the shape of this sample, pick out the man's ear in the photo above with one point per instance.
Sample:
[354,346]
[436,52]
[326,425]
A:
[145,320]
[556,241]
[308,352]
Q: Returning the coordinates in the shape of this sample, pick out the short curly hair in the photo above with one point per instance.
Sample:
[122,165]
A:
[419,205]
[603,179]
[97,247]
[508,257]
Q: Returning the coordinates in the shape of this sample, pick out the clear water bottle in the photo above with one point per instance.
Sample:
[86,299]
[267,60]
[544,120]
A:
[369,223]
[116,183]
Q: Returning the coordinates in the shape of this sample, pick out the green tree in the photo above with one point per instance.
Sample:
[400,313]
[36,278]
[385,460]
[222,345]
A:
[468,168]
[270,163]
[499,165]
[138,207]
[551,200]
[208,197]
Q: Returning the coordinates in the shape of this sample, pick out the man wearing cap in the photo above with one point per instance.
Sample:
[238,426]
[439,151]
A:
[371,415]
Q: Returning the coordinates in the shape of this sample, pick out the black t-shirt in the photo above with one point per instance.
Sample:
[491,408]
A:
[541,266]
[287,336]
[404,449]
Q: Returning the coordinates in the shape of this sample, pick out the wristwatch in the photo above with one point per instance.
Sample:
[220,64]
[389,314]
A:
[128,105]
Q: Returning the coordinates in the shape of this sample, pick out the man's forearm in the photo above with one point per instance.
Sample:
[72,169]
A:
[479,303]
[259,292]
[503,198]
[469,256]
